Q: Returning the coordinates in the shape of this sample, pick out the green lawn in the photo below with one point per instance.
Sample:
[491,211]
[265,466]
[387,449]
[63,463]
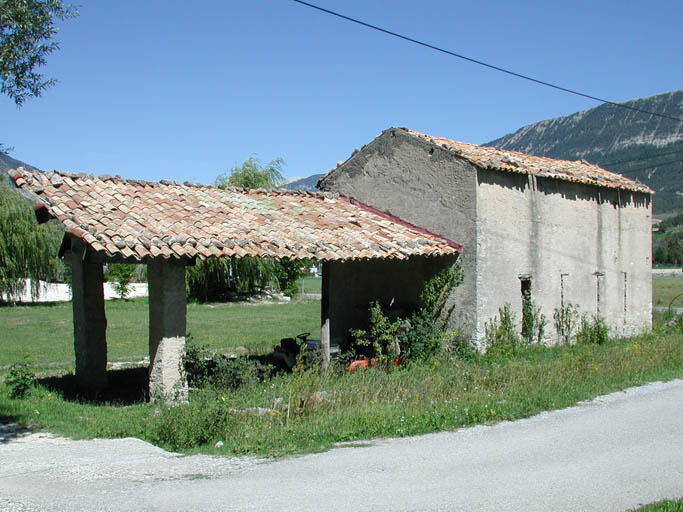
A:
[665,288]
[309,411]
[44,333]
[311,284]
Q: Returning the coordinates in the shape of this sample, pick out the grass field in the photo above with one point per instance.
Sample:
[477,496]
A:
[45,333]
[310,411]
[665,288]
[310,284]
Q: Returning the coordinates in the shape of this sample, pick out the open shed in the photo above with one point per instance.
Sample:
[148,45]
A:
[366,254]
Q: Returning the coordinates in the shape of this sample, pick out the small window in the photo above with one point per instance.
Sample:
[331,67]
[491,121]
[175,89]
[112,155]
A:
[527,306]
[600,287]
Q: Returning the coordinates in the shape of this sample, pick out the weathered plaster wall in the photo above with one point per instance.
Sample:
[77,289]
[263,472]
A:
[167,327]
[585,245]
[424,185]
[396,284]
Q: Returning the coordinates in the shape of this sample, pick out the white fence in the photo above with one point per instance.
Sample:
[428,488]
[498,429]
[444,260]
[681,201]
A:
[58,292]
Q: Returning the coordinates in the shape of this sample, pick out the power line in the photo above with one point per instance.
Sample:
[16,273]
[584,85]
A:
[481,63]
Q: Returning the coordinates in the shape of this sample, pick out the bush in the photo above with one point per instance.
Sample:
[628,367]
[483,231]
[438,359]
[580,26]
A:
[121,275]
[20,379]
[500,334]
[565,322]
[205,368]
[420,336]
[593,331]
[533,322]
[380,340]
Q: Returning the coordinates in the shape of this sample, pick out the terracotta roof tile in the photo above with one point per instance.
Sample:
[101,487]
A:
[138,220]
[512,161]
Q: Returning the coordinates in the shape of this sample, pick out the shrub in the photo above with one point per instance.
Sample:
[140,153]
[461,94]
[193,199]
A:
[565,322]
[424,335]
[420,336]
[593,331]
[121,275]
[20,379]
[533,322]
[500,334]
[380,339]
[206,368]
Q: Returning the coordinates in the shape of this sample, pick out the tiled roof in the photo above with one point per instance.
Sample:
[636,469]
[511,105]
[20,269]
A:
[138,220]
[578,171]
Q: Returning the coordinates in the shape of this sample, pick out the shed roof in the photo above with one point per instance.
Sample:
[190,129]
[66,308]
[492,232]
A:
[578,171]
[139,220]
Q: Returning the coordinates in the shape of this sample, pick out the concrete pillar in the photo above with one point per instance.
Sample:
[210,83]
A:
[167,325]
[90,321]
[325,317]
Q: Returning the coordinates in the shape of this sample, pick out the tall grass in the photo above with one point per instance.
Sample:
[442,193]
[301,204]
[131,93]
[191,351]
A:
[311,410]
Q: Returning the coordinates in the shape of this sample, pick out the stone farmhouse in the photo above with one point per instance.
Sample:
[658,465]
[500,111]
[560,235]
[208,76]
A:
[560,232]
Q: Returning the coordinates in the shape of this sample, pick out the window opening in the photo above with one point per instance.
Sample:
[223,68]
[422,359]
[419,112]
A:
[527,307]
[599,277]
[562,291]
[625,294]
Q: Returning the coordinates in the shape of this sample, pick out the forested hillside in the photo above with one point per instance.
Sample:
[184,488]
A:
[640,146]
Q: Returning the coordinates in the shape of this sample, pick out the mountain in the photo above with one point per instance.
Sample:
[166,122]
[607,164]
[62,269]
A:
[7,163]
[304,183]
[641,146]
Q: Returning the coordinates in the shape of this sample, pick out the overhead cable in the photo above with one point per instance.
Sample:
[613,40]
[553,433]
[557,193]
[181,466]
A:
[481,63]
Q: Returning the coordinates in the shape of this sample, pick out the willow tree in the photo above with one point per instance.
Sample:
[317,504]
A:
[217,279]
[27,249]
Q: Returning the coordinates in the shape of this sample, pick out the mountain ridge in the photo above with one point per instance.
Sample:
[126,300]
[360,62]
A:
[640,146]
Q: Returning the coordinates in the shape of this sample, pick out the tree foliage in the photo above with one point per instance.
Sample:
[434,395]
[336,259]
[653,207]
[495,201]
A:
[27,250]
[252,175]
[27,29]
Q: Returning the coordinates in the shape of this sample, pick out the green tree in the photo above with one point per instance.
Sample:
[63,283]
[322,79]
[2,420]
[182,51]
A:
[27,250]
[252,175]
[27,30]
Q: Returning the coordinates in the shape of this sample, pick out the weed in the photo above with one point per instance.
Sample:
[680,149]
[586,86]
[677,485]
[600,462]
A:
[20,379]
[206,368]
[593,331]
[420,336]
[380,340]
[533,322]
[565,322]
[501,338]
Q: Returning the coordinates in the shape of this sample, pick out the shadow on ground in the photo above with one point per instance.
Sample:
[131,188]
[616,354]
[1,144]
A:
[124,387]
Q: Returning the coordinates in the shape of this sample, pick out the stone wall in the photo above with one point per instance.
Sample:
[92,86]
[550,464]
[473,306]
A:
[576,243]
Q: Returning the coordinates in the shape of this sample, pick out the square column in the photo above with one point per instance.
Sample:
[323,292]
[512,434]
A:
[90,321]
[325,317]
[167,326]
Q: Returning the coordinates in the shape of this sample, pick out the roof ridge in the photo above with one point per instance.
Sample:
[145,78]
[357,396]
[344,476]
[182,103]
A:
[190,184]
[489,157]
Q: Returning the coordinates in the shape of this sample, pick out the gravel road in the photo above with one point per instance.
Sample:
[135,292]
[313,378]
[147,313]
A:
[613,453]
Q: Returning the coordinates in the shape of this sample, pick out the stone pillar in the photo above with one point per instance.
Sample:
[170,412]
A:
[167,325]
[90,322]
[325,317]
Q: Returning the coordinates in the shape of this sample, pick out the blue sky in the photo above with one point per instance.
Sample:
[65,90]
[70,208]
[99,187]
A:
[185,90]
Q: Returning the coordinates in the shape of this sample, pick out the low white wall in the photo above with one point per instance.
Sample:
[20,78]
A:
[58,292]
